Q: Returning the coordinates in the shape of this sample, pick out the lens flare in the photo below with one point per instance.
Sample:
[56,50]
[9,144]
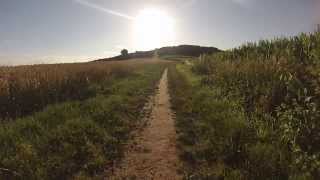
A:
[153,28]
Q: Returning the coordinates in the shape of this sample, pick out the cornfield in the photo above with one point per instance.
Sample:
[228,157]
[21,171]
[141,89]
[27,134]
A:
[27,89]
[82,115]
[277,85]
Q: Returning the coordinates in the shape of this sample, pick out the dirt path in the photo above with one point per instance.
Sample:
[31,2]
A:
[153,155]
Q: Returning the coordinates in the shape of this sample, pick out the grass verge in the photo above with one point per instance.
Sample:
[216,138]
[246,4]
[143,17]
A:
[76,140]
[217,139]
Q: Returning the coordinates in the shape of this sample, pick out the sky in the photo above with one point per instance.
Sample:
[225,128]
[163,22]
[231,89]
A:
[50,31]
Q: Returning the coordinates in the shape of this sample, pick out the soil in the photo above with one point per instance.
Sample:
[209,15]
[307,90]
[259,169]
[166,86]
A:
[153,153]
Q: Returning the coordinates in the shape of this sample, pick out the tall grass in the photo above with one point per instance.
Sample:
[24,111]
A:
[27,89]
[79,139]
[274,85]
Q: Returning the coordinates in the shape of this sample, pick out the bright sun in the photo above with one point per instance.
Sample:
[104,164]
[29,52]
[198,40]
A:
[153,28]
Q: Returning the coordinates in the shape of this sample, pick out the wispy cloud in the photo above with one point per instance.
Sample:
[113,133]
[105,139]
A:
[245,3]
[103,9]
[189,3]
[240,1]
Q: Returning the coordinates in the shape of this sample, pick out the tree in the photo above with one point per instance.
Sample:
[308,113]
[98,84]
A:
[124,52]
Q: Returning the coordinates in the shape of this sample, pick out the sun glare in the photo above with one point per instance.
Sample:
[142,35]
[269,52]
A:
[153,28]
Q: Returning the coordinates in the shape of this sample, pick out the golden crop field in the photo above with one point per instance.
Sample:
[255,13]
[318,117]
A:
[68,121]
[26,89]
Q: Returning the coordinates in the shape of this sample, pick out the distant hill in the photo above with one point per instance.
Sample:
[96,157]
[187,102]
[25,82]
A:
[186,50]
[182,50]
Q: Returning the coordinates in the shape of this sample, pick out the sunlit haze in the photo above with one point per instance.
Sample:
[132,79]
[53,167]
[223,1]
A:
[153,28]
[46,31]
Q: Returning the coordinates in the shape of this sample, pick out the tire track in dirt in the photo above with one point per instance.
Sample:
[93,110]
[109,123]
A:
[153,154]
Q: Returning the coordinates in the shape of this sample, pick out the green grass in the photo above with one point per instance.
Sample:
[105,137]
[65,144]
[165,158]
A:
[192,79]
[209,125]
[176,57]
[251,112]
[77,139]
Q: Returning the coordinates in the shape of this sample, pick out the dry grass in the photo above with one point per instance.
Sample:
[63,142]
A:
[26,89]
[76,139]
